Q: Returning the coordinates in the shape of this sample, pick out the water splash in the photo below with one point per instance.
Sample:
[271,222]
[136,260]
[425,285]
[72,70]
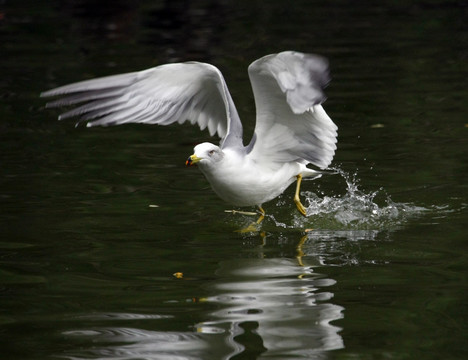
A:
[355,209]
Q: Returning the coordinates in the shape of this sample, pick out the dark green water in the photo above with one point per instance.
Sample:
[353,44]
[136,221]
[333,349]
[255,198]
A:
[86,264]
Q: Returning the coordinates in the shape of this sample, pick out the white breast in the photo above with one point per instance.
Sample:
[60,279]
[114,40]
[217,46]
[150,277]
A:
[242,182]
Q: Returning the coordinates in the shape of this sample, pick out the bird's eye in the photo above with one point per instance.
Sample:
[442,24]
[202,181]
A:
[211,152]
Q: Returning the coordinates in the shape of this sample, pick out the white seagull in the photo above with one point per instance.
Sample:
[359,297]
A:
[292,128]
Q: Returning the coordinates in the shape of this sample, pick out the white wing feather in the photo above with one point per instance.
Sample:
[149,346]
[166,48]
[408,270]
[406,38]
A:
[163,95]
[291,123]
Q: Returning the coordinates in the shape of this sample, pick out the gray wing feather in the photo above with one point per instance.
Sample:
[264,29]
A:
[194,92]
[291,123]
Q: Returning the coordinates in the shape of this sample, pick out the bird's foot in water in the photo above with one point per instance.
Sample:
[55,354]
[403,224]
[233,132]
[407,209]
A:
[254,226]
[300,207]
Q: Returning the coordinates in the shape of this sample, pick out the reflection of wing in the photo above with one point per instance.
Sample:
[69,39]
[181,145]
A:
[162,95]
[291,123]
[289,306]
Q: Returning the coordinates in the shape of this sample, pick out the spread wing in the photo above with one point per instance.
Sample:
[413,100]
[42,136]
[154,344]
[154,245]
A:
[291,123]
[162,95]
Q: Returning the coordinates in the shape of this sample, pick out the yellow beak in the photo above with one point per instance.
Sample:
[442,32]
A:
[192,160]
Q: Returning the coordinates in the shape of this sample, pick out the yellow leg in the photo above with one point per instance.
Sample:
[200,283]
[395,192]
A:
[253,227]
[249,213]
[300,253]
[262,215]
[299,205]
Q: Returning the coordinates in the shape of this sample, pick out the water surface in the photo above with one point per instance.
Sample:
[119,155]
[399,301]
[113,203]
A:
[95,222]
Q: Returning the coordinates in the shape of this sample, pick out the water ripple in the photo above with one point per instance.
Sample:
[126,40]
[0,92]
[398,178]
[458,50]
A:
[124,316]
[130,343]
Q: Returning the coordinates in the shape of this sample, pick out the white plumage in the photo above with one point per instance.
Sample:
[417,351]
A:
[292,128]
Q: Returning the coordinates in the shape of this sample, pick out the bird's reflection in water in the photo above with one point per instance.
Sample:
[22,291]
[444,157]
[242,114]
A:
[266,305]
[278,307]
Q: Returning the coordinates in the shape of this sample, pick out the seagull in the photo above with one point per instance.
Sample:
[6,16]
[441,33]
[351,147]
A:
[292,129]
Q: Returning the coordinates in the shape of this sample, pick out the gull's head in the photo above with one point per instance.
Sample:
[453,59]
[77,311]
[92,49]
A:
[205,154]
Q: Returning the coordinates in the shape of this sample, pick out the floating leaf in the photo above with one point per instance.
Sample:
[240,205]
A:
[178,275]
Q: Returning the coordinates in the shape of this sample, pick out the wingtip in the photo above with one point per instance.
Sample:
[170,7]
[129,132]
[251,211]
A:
[48,93]
[50,105]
